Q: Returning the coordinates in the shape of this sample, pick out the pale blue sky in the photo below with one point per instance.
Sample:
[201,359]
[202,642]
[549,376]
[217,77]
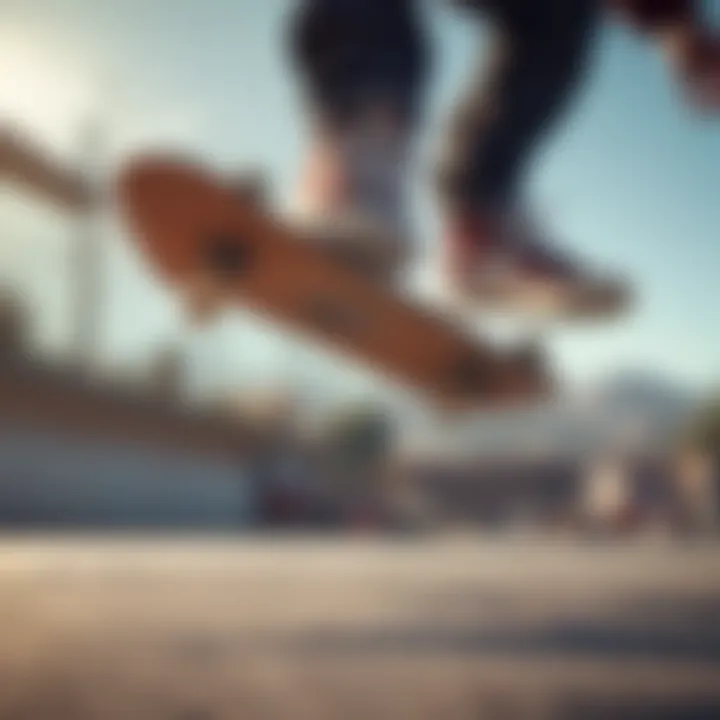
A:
[630,182]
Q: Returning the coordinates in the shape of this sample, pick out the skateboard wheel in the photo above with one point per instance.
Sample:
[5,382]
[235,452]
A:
[228,257]
[469,375]
[531,375]
[530,356]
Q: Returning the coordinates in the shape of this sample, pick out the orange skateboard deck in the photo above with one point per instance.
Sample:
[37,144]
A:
[191,225]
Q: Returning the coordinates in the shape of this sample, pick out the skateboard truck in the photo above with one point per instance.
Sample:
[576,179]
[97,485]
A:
[470,375]
[517,376]
[225,258]
[528,374]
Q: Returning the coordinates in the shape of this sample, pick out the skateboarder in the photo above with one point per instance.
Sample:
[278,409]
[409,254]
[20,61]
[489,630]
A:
[364,66]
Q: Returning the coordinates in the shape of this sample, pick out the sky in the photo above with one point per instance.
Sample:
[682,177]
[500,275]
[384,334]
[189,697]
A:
[628,181]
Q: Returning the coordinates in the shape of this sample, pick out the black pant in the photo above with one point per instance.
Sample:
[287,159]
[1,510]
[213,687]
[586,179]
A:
[353,53]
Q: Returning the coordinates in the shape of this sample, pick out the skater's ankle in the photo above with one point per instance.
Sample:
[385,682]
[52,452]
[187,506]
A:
[358,170]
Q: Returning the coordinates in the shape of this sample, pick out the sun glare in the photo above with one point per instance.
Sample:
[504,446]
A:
[42,91]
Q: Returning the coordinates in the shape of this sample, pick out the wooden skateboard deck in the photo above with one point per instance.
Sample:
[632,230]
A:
[190,225]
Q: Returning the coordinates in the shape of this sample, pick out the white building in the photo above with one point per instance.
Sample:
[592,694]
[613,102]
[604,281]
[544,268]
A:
[78,453]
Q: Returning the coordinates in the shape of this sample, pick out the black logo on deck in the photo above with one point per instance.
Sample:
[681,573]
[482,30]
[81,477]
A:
[228,256]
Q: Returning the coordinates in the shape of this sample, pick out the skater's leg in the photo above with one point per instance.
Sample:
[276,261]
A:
[353,56]
[362,66]
[539,53]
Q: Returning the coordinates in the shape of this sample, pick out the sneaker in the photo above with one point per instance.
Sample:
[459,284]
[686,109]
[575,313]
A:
[351,202]
[507,264]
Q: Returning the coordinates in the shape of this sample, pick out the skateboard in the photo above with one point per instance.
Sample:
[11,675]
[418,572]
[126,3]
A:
[198,231]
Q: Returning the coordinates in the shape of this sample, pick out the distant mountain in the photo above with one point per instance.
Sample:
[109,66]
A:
[626,410]
[642,392]
[660,404]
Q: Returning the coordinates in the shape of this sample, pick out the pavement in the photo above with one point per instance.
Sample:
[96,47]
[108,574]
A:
[202,628]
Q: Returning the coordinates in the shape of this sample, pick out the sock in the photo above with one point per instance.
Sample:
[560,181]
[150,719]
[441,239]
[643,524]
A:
[359,174]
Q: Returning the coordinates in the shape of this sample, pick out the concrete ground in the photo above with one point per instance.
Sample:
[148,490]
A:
[471,628]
